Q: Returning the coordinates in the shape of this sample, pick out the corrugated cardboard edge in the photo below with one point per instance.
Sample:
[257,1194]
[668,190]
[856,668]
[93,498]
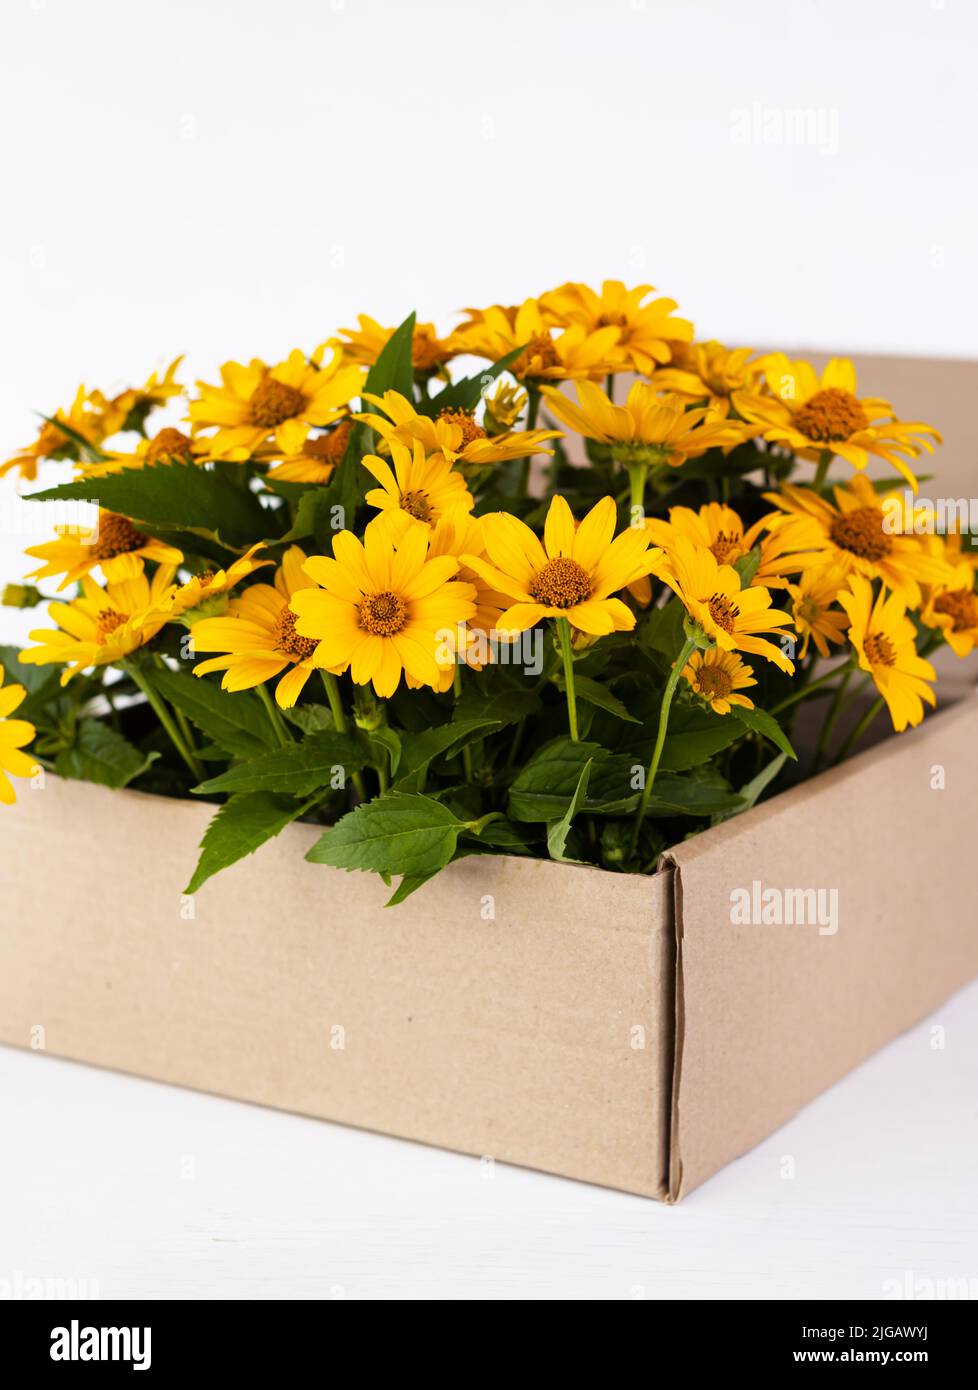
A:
[958,723]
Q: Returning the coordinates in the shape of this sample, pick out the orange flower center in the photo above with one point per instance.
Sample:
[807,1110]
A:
[383,614]
[879,650]
[861,533]
[808,611]
[289,641]
[107,622]
[167,445]
[723,612]
[329,448]
[961,606]
[715,682]
[726,545]
[274,402]
[417,504]
[466,423]
[830,416]
[540,353]
[116,536]
[561,583]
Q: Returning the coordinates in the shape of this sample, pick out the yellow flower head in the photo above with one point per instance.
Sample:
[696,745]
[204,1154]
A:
[311,458]
[716,676]
[454,434]
[421,486]
[383,609]
[712,596]
[103,626]
[572,574]
[169,445]
[15,734]
[53,443]
[727,380]
[646,331]
[115,545]
[720,529]
[648,428]
[815,616]
[810,414]
[856,533]
[129,409]
[213,584]
[884,640]
[504,407]
[952,607]
[429,352]
[258,636]
[254,404]
[571,355]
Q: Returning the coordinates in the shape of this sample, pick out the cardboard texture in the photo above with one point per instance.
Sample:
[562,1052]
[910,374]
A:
[619,1029]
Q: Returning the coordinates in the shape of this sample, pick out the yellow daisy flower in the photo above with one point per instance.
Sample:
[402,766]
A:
[383,609]
[728,380]
[646,331]
[129,409]
[573,354]
[253,403]
[421,486]
[258,636]
[504,407]
[712,596]
[813,608]
[212,584]
[648,428]
[429,352]
[310,458]
[116,546]
[103,626]
[169,445]
[812,414]
[952,607]
[716,676]
[15,734]
[454,434]
[721,530]
[884,639]
[572,574]
[52,443]
[854,533]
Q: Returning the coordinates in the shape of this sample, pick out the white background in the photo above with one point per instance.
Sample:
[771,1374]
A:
[236,179]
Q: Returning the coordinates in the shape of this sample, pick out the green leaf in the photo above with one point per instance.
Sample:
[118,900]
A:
[558,831]
[384,748]
[751,790]
[99,754]
[236,720]
[394,368]
[466,394]
[409,884]
[240,827]
[545,787]
[299,769]
[673,795]
[763,723]
[310,718]
[420,750]
[396,833]
[594,693]
[42,683]
[695,735]
[661,630]
[503,707]
[318,511]
[747,566]
[179,496]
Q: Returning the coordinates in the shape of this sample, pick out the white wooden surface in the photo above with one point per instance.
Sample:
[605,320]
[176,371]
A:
[149,1191]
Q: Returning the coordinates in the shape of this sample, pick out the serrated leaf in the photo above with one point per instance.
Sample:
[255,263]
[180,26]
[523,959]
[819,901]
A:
[673,795]
[396,833]
[299,769]
[594,693]
[236,720]
[763,723]
[503,707]
[661,630]
[310,718]
[241,826]
[383,746]
[694,736]
[100,754]
[558,831]
[420,750]
[409,884]
[543,789]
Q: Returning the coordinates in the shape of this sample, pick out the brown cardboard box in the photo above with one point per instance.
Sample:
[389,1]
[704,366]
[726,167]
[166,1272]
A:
[619,1029]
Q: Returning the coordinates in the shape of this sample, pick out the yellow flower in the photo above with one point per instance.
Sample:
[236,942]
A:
[52,443]
[129,409]
[646,332]
[15,734]
[259,638]
[571,575]
[212,584]
[429,352]
[855,534]
[648,428]
[169,445]
[812,414]
[116,545]
[815,617]
[103,626]
[383,609]
[952,606]
[453,433]
[423,487]
[884,639]
[255,402]
[311,458]
[720,529]
[714,599]
[716,675]
[727,380]
[504,407]
[573,354]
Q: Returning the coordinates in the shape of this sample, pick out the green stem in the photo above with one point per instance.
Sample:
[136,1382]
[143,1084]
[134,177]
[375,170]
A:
[807,689]
[566,651]
[821,472]
[830,719]
[166,719]
[532,406]
[858,731]
[275,717]
[332,687]
[660,739]
[609,387]
[637,477]
[466,751]
[183,723]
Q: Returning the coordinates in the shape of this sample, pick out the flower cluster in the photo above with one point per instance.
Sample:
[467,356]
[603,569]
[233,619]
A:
[559,582]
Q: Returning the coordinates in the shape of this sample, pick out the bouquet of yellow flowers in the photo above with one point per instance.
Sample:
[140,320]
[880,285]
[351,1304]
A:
[564,599]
